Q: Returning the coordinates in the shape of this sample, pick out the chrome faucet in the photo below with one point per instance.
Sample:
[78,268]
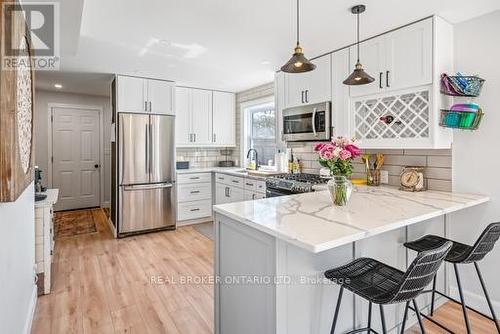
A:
[256,157]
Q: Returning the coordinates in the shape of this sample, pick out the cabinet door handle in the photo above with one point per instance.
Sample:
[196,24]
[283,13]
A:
[194,137]
[235,181]
[226,191]
[249,184]
[150,106]
[380,80]
[214,137]
[145,105]
[302,96]
[195,192]
[194,178]
[192,210]
[387,78]
[307,95]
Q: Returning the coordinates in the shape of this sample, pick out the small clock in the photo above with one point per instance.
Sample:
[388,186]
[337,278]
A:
[412,179]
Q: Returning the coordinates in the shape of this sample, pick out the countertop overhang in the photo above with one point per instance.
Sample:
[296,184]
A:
[311,222]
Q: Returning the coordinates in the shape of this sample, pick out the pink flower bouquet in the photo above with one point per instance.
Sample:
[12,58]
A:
[337,155]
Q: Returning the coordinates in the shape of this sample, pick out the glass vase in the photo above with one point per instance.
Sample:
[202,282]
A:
[340,190]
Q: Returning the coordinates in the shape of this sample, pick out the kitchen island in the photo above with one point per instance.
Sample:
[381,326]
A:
[271,254]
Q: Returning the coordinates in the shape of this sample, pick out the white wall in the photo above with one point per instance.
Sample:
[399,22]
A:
[476,156]
[17,260]
[42,100]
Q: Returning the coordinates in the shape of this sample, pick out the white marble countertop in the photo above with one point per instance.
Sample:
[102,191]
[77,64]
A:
[311,222]
[52,196]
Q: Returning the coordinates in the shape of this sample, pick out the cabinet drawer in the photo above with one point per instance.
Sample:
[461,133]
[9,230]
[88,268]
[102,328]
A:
[236,181]
[255,185]
[222,178]
[194,178]
[194,210]
[194,192]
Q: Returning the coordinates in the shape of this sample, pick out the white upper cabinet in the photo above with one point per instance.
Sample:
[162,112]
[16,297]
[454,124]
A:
[204,118]
[224,119]
[409,56]
[372,54]
[340,93]
[161,97]
[131,94]
[140,95]
[201,105]
[310,87]
[183,134]
[397,60]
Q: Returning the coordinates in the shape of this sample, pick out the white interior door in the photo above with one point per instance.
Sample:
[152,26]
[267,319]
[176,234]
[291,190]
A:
[76,157]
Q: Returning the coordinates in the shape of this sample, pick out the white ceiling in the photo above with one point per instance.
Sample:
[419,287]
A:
[75,82]
[228,44]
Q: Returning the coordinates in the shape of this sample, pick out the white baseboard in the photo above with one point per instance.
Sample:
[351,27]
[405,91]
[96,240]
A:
[477,301]
[31,311]
[106,204]
[194,221]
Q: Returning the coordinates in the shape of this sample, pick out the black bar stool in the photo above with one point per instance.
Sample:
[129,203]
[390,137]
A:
[382,284]
[461,254]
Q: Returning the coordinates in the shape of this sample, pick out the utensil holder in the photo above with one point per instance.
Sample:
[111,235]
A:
[373,177]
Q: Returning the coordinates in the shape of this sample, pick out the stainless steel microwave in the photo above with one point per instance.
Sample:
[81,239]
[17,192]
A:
[307,123]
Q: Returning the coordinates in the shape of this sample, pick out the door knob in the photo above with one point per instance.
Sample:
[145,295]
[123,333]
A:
[96,166]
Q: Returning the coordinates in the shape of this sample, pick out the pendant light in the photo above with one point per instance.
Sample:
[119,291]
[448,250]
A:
[358,76]
[298,63]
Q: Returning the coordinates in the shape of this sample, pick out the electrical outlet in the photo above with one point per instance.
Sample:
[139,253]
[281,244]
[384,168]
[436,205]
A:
[384,177]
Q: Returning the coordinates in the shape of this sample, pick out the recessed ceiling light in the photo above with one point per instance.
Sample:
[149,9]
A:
[58,86]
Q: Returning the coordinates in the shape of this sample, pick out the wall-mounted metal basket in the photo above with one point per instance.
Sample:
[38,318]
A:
[461,120]
[467,86]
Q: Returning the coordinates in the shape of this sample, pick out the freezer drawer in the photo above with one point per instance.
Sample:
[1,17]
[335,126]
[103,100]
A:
[147,207]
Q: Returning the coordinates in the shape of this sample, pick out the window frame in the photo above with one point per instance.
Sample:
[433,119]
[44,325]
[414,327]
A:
[244,119]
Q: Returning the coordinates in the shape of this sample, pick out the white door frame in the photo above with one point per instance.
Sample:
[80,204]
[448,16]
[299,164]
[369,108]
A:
[99,109]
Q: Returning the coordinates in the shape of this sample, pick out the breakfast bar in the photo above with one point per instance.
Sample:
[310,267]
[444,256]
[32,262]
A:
[271,254]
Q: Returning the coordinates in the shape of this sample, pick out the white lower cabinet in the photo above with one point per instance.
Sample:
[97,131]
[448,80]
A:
[229,188]
[44,241]
[194,197]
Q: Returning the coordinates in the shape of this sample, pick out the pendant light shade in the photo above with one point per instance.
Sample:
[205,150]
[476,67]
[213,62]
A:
[298,63]
[358,76]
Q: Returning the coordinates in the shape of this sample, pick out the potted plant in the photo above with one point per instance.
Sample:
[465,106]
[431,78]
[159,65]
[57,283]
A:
[337,156]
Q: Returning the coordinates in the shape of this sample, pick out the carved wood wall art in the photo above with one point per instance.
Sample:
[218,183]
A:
[16,110]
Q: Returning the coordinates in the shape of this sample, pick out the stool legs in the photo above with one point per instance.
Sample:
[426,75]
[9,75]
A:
[433,295]
[464,307]
[382,317]
[419,318]
[369,316]
[493,315]
[404,317]
[337,309]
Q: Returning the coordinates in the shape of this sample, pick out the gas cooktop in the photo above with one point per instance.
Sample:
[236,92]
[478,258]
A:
[293,183]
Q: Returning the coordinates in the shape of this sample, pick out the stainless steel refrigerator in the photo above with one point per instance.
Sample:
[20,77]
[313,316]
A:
[146,173]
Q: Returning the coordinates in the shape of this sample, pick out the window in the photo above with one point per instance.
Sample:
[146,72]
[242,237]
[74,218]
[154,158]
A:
[259,130]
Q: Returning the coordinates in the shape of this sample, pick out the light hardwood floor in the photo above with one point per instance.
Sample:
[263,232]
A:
[104,285]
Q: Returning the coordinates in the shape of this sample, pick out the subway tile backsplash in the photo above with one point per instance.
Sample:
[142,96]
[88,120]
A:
[437,163]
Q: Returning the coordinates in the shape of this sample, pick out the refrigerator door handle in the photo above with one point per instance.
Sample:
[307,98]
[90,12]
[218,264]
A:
[148,186]
[150,152]
[146,149]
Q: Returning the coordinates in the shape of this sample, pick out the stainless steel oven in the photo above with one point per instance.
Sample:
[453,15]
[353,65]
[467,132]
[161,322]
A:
[307,123]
